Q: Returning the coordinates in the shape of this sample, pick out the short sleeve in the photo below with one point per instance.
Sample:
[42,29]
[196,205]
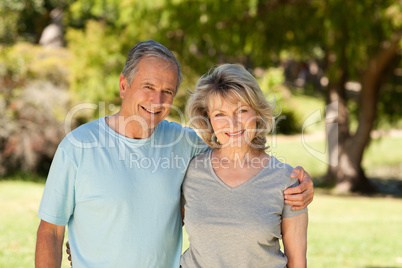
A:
[197,144]
[287,212]
[57,203]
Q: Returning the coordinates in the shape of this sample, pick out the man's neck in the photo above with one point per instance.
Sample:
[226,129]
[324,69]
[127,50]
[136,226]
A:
[127,128]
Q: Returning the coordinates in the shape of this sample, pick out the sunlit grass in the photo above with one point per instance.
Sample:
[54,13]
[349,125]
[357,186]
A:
[343,231]
[355,232]
[19,203]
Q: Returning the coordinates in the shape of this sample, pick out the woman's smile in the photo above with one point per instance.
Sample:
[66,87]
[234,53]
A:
[236,134]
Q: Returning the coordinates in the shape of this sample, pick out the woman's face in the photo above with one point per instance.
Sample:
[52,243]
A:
[234,124]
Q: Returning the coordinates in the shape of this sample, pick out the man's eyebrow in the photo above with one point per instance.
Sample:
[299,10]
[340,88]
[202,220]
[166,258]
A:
[148,84]
[152,85]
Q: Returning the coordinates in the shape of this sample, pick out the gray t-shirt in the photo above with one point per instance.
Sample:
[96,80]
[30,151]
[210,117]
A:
[235,226]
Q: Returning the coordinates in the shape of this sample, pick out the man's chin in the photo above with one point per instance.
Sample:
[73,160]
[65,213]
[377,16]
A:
[153,123]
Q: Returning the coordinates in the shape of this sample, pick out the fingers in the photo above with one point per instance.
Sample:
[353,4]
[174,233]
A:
[296,171]
[294,190]
[299,173]
[300,201]
[305,181]
[68,251]
[301,196]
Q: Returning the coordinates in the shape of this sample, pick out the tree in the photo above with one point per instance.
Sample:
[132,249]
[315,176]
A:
[369,52]
[359,40]
[356,40]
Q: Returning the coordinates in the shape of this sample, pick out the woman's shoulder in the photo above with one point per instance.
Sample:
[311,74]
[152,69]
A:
[279,166]
[202,157]
[281,170]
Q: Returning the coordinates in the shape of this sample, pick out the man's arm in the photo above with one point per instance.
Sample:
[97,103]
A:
[49,245]
[302,195]
[294,237]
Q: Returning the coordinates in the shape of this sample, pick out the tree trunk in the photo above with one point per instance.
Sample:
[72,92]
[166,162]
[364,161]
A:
[346,173]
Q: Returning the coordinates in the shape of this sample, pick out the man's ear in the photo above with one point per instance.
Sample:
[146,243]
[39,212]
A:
[123,85]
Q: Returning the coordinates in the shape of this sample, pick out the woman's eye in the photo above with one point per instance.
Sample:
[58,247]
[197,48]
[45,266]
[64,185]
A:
[243,111]
[218,115]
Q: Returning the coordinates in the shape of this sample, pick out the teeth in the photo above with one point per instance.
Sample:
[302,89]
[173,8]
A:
[148,110]
[237,133]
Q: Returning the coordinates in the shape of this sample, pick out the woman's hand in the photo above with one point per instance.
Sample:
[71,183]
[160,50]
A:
[301,196]
[69,253]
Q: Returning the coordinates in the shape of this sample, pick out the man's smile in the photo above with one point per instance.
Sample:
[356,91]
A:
[149,111]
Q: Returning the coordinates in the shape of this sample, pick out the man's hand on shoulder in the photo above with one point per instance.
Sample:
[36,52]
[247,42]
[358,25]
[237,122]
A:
[301,196]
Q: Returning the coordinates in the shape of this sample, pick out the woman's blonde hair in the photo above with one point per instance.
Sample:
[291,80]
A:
[232,83]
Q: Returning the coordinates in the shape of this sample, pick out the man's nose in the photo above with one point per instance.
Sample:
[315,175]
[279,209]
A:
[156,98]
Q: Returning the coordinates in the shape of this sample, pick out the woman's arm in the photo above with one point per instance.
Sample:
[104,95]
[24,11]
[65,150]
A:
[294,236]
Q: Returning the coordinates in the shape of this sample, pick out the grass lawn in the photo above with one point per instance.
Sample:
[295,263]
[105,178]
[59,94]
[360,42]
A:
[19,202]
[343,231]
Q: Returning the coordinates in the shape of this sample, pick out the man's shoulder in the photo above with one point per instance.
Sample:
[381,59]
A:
[84,135]
[175,130]
[174,126]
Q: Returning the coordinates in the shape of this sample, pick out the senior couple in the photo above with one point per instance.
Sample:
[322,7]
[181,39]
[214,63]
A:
[236,200]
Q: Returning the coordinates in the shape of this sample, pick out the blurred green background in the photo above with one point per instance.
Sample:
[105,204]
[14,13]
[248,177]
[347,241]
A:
[325,63]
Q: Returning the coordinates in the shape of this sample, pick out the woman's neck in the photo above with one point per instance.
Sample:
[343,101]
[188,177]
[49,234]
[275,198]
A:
[241,155]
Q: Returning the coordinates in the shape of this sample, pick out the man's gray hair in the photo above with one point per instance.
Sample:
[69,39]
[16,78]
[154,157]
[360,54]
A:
[149,48]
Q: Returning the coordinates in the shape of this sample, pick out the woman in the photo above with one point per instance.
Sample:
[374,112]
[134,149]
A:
[233,193]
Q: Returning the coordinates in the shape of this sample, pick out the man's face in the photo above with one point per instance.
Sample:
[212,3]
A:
[149,98]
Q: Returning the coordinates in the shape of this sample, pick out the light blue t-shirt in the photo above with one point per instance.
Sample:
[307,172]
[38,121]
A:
[119,196]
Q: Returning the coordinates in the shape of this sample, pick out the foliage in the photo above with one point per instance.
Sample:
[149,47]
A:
[255,33]
[96,65]
[271,83]
[33,102]
[389,104]
[24,20]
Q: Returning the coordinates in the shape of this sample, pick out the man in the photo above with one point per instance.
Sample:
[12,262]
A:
[116,181]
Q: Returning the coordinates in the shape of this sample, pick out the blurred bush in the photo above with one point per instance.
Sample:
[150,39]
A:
[33,102]
[272,84]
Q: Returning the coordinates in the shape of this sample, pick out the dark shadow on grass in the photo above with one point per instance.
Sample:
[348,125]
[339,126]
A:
[385,186]
[388,186]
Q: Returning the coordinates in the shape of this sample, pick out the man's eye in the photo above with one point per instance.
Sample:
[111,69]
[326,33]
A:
[168,92]
[218,115]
